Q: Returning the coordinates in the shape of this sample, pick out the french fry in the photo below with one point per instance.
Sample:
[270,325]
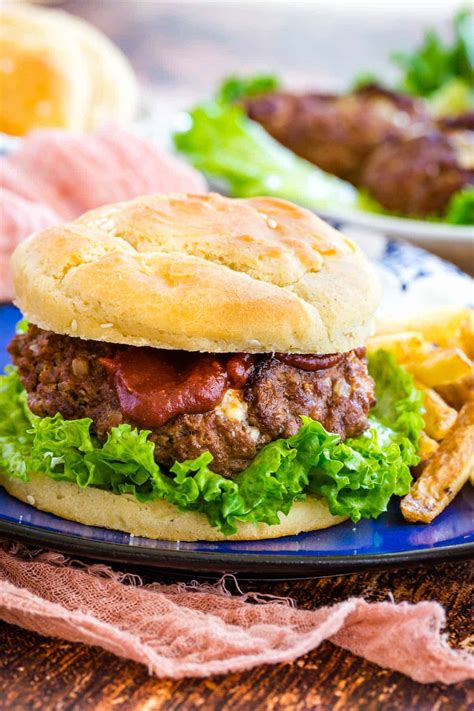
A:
[446,472]
[441,367]
[449,327]
[408,345]
[457,394]
[426,447]
[437,348]
[467,334]
[438,417]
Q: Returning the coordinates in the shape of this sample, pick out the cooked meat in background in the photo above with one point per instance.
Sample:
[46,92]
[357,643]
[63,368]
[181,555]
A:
[338,132]
[63,374]
[460,130]
[418,176]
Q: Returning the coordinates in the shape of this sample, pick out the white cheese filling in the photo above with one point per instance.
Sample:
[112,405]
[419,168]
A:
[233,407]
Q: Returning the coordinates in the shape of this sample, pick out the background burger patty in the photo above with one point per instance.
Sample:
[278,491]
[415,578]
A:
[416,176]
[338,132]
[63,374]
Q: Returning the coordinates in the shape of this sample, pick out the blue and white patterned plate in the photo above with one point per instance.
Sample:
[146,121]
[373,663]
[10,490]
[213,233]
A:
[413,280]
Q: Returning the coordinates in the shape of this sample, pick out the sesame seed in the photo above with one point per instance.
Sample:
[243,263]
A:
[74,325]
[106,325]
[272,223]
[30,499]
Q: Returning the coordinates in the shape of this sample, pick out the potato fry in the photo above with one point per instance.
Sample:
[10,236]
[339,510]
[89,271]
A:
[441,367]
[457,394]
[426,447]
[451,327]
[446,472]
[438,417]
[408,345]
[467,334]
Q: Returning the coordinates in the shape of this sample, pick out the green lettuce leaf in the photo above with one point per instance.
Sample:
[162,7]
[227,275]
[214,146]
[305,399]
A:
[441,72]
[435,63]
[454,97]
[236,87]
[356,477]
[16,421]
[461,208]
[231,149]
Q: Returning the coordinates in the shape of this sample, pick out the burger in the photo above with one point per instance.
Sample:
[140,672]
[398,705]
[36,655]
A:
[192,367]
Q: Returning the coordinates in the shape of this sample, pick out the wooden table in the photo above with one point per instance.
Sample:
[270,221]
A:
[189,47]
[45,674]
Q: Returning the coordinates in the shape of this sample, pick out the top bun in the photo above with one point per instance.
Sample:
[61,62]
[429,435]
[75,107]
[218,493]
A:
[60,71]
[199,273]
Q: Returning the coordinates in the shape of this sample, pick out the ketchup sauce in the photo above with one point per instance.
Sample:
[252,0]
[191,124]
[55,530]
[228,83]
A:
[239,367]
[155,385]
[310,362]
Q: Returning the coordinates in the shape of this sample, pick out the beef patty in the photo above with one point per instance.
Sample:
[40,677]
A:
[63,374]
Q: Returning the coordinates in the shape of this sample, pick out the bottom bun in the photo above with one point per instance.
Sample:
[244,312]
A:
[156,519]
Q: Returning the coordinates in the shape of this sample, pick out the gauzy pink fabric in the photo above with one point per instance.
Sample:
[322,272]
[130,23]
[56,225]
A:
[56,175]
[19,218]
[199,630]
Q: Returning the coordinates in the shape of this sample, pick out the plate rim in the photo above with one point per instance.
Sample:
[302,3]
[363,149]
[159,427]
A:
[402,228]
[222,562]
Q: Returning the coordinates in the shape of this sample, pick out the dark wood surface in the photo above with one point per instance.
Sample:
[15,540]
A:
[190,47]
[42,674]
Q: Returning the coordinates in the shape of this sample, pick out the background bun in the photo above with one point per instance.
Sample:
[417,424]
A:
[59,71]
[157,519]
[199,272]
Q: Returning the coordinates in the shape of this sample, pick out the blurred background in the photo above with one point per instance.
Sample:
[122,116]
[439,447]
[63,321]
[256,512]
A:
[188,46]
[180,51]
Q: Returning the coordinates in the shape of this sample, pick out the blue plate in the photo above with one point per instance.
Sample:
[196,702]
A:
[409,275]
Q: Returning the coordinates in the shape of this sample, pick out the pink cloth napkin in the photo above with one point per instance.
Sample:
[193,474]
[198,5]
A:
[198,630]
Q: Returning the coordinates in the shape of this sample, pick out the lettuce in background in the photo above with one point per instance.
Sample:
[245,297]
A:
[461,208]
[228,147]
[357,477]
[438,71]
[435,64]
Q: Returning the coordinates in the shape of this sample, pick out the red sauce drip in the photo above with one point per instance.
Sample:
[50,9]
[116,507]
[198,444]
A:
[155,385]
[239,367]
[310,362]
